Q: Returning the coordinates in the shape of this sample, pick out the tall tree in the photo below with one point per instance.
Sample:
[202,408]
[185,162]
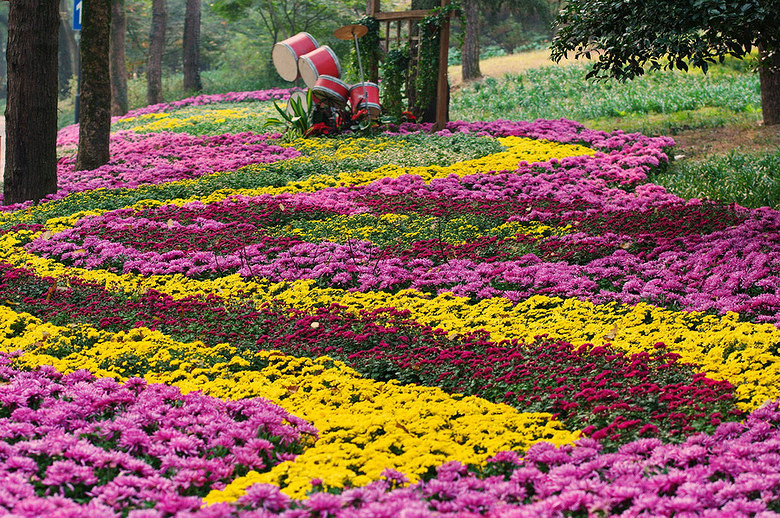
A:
[191,47]
[117,64]
[470,55]
[95,115]
[156,45]
[629,36]
[31,110]
[769,76]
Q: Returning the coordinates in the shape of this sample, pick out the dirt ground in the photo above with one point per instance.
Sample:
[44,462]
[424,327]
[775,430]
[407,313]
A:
[718,141]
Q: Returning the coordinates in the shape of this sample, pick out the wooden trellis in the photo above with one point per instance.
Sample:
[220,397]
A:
[399,27]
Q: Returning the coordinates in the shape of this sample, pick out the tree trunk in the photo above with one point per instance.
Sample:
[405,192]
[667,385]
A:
[769,74]
[470,57]
[191,47]
[156,44]
[95,115]
[117,65]
[31,111]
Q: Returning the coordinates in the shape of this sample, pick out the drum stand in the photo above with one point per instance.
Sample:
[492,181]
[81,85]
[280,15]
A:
[354,32]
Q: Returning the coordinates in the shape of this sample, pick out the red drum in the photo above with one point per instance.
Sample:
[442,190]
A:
[365,96]
[285,54]
[331,89]
[318,62]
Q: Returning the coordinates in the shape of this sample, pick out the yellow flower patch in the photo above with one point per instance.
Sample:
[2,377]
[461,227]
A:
[409,228]
[364,426]
[156,122]
[723,347]
[519,149]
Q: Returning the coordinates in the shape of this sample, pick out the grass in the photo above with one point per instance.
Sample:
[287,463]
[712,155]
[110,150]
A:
[659,102]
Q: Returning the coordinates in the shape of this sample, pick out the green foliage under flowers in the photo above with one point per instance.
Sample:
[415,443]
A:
[562,91]
[416,150]
[205,120]
[749,179]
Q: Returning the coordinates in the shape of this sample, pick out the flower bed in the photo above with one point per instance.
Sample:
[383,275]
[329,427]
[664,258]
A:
[500,319]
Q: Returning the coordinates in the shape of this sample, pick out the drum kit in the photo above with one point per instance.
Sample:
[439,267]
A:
[301,57]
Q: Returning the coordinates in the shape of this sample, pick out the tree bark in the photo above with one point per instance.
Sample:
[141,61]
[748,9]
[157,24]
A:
[117,65]
[95,115]
[31,112]
[191,47]
[769,74]
[470,56]
[156,44]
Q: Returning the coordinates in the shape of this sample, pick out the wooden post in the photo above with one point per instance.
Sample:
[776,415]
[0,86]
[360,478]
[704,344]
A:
[442,87]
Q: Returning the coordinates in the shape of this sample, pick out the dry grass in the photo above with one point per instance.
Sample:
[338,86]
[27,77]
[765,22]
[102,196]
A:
[500,66]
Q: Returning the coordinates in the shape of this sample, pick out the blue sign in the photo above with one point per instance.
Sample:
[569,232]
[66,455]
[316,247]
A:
[77,9]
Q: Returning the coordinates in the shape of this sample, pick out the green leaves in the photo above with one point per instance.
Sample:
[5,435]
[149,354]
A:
[297,118]
[629,36]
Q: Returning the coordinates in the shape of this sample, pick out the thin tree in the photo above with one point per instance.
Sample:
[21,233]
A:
[118,68]
[31,110]
[156,45]
[470,54]
[191,47]
[95,115]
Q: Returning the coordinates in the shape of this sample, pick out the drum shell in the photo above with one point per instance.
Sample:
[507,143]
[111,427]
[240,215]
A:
[319,62]
[329,88]
[286,53]
[365,96]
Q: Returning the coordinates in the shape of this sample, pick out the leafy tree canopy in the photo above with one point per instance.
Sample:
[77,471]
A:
[628,36]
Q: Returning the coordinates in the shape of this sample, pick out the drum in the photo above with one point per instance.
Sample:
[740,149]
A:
[365,96]
[329,88]
[318,62]
[286,53]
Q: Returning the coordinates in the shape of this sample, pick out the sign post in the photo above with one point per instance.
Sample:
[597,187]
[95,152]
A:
[77,11]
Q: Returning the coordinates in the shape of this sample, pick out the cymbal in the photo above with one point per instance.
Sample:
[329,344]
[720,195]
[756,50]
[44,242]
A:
[350,31]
